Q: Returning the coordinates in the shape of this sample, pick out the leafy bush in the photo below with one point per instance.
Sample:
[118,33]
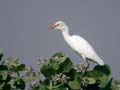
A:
[59,73]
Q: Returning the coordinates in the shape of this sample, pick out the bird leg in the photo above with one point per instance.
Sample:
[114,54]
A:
[86,64]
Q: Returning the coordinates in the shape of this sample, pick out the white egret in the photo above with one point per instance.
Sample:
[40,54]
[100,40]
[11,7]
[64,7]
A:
[78,44]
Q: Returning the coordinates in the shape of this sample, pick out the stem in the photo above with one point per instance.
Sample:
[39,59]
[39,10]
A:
[50,85]
[58,85]
[18,74]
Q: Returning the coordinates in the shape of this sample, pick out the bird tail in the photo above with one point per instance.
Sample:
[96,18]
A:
[99,61]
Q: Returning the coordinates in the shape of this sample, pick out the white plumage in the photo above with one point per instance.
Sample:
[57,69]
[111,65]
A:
[77,43]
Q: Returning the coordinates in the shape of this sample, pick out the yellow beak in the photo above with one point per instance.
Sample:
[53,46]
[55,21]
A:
[53,26]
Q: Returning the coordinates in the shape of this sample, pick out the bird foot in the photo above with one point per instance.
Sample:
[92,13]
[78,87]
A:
[85,67]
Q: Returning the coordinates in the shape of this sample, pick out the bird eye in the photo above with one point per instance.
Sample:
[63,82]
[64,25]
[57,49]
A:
[57,24]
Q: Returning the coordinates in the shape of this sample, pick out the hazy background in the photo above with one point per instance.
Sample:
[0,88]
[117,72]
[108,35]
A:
[24,28]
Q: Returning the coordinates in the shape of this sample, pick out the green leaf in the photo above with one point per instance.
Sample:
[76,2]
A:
[116,84]
[66,64]
[3,72]
[58,63]
[1,55]
[13,61]
[73,75]
[109,84]
[74,85]
[19,83]
[59,86]
[2,85]
[103,81]
[54,63]
[104,69]
[6,87]
[38,87]
[59,55]
[89,80]
[18,67]
[15,65]
[94,74]
[47,70]
[41,87]
[11,82]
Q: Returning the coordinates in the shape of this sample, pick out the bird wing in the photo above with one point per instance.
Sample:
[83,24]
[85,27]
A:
[82,46]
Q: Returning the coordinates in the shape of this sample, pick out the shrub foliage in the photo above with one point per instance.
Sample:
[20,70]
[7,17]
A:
[56,73]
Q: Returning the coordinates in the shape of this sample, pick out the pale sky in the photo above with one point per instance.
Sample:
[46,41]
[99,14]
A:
[24,28]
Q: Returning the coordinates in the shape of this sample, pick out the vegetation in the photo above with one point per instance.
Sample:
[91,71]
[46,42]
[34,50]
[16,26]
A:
[59,73]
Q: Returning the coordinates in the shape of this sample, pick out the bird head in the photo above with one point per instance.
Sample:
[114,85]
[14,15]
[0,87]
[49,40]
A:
[59,25]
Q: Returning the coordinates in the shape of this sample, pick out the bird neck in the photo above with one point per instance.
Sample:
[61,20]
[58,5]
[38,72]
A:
[65,33]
